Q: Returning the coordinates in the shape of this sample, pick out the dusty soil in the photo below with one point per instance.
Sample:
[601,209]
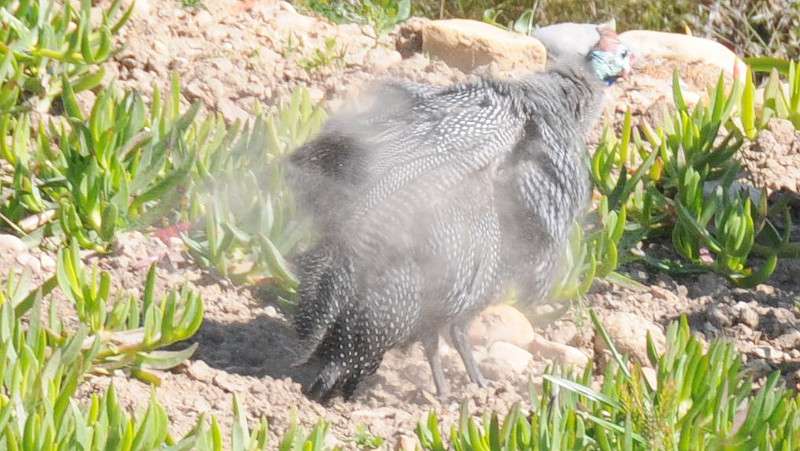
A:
[232,55]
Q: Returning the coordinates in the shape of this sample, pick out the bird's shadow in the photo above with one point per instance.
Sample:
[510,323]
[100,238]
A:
[261,346]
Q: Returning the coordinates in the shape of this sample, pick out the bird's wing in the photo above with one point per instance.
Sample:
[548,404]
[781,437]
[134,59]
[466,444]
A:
[421,157]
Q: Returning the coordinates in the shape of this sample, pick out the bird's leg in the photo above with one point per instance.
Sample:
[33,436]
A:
[431,345]
[459,337]
[326,383]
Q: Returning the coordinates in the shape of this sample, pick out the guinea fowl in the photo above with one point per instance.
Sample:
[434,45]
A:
[430,200]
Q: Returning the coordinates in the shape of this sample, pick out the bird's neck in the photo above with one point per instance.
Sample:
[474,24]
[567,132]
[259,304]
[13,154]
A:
[582,91]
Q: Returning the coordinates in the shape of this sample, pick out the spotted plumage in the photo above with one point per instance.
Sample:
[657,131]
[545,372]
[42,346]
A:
[428,201]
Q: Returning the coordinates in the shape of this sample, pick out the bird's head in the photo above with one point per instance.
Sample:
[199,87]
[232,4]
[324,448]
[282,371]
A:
[609,58]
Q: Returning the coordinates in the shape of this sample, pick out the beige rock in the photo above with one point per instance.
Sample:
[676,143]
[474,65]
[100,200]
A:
[406,443]
[48,263]
[648,44]
[789,341]
[200,371]
[509,357]
[628,332]
[29,261]
[501,322]
[468,44]
[561,353]
[747,315]
[33,222]
[11,243]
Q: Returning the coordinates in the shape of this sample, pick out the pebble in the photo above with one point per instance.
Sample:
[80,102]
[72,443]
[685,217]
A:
[718,317]
[747,315]
[561,353]
[200,371]
[501,322]
[767,352]
[48,262]
[628,332]
[11,243]
[29,261]
[789,340]
[509,356]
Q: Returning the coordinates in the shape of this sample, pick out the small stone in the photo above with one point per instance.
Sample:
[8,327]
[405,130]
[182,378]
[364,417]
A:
[33,222]
[48,262]
[628,332]
[565,332]
[747,315]
[271,311]
[11,243]
[510,356]
[200,371]
[718,317]
[789,340]
[765,289]
[406,443]
[501,322]
[767,352]
[30,262]
[561,353]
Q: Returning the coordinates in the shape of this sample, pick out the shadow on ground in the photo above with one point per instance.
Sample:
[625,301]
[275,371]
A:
[263,346]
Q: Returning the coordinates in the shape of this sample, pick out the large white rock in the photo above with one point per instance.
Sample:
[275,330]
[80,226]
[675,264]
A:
[649,45]
[501,322]
[468,44]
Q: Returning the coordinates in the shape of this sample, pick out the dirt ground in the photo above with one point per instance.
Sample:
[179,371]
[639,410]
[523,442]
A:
[234,54]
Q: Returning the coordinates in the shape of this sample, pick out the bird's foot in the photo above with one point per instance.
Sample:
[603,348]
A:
[461,344]
[324,386]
